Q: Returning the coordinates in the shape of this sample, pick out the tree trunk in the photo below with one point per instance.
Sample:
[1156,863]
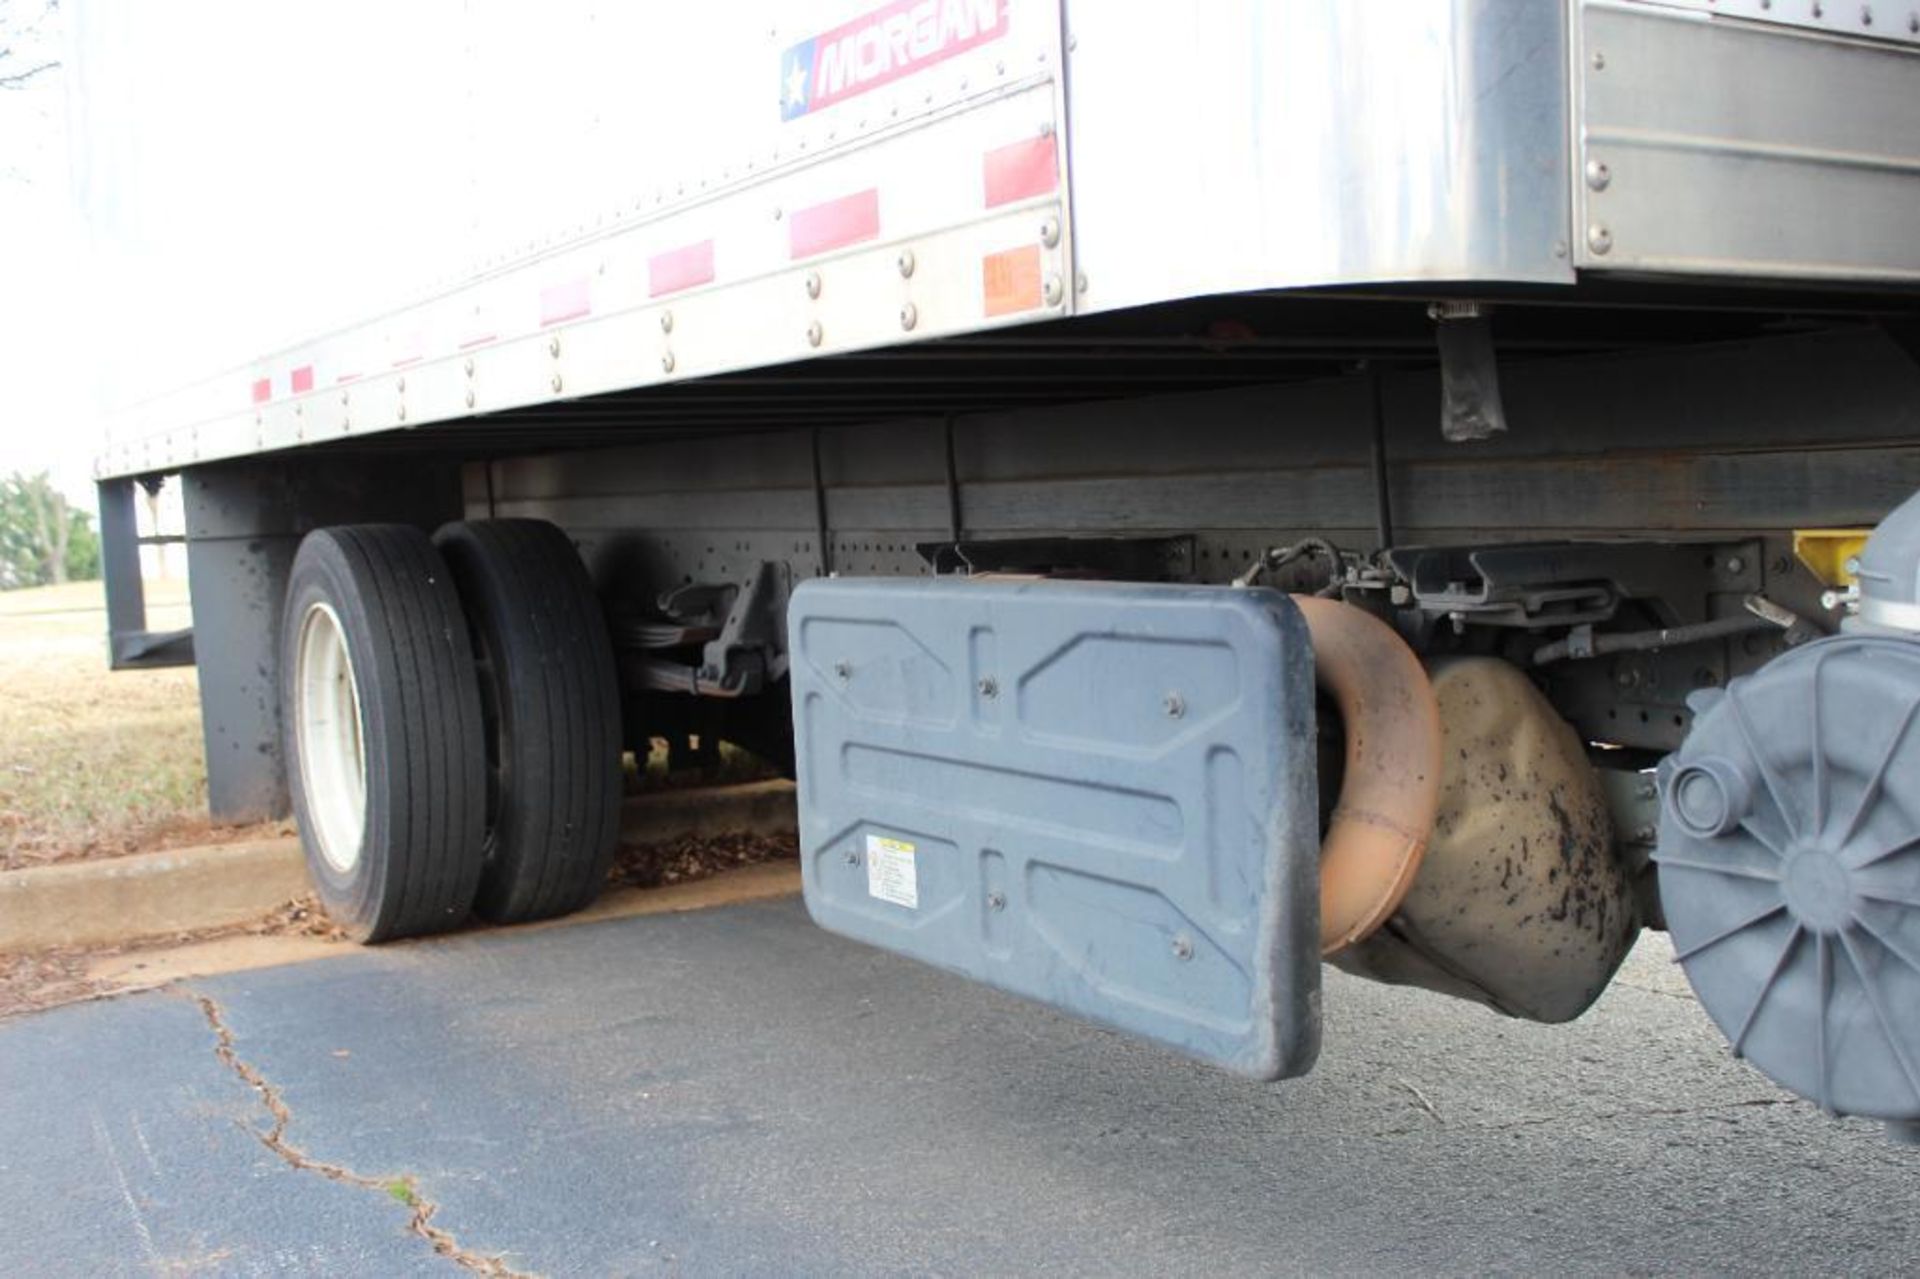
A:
[54,526]
[62,535]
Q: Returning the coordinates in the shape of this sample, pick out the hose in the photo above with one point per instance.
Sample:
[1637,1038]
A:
[1391,787]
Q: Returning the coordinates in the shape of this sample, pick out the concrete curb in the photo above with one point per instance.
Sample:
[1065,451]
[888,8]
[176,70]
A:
[757,808]
[145,895]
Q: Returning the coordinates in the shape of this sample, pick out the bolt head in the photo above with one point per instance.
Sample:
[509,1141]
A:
[1182,947]
[1599,239]
[470,397]
[666,321]
[1174,705]
[666,362]
[813,284]
[815,334]
[1050,231]
[989,687]
[843,670]
[909,316]
[555,383]
[996,901]
[553,345]
[1055,290]
[1599,175]
[906,264]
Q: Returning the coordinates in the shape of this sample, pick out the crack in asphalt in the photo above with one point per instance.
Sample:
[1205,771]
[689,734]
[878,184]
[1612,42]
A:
[1632,1112]
[404,1189]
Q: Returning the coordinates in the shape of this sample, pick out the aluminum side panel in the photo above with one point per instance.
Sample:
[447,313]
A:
[1721,146]
[1242,144]
[1099,796]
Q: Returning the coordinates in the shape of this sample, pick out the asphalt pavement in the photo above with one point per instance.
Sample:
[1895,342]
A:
[733,1092]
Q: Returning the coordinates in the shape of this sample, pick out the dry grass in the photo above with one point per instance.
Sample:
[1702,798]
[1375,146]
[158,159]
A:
[92,762]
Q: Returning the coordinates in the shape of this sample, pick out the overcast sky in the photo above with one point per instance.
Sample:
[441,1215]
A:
[46,411]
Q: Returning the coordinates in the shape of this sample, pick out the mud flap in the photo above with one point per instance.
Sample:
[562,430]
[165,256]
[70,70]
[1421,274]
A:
[1100,796]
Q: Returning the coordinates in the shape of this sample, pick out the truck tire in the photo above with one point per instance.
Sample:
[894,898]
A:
[551,701]
[382,723]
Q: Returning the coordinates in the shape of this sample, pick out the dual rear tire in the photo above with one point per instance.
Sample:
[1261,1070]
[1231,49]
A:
[452,725]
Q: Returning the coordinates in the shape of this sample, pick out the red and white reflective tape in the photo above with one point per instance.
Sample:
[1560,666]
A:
[834,224]
[559,303]
[1020,171]
[686,267]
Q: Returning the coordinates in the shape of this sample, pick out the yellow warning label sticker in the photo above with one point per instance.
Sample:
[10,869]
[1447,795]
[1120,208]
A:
[891,873]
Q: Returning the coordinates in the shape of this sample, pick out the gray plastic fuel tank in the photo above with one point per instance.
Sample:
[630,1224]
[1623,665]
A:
[1100,796]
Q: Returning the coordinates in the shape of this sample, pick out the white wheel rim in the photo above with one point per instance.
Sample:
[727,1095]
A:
[329,737]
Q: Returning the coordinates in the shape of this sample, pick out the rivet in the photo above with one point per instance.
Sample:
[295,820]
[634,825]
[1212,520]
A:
[996,901]
[1866,15]
[553,345]
[843,670]
[813,284]
[469,397]
[909,316]
[666,321]
[1598,175]
[556,382]
[815,334]
[906,264]
[1599,239]
[851,857]
[1174,705]
[402,414]
[469,366]
[343,396]
[1182,947]
[989,687]
[1079,281]
[400,383]
[1599,61]
[666,362]
[1055,290]
[1735,564]
[1050,232]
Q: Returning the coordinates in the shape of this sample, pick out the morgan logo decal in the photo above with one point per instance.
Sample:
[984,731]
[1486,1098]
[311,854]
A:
[881,47]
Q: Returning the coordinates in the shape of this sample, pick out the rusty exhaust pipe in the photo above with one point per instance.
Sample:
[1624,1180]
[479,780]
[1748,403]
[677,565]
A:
[1391,790]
